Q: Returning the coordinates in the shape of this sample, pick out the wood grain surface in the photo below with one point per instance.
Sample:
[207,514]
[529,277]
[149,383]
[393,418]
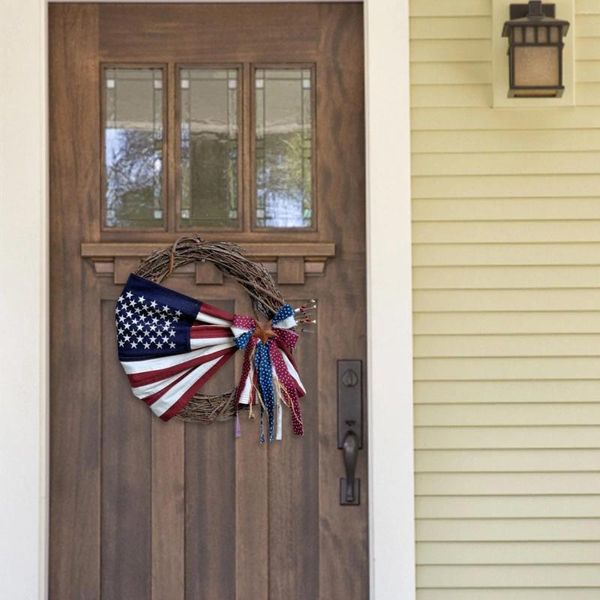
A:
[145,510]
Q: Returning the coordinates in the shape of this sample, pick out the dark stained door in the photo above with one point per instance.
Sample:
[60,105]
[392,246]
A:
[241,122]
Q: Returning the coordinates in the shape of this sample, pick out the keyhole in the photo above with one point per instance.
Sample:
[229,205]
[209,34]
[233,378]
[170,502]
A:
[349,378]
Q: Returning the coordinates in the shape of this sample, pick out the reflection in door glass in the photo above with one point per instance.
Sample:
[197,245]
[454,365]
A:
[208,183]
[133,147]
[284,189]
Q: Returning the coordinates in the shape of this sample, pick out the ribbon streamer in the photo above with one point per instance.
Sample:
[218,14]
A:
[269,371]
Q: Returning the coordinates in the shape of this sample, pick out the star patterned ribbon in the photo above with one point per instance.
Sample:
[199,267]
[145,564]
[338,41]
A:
[269,375]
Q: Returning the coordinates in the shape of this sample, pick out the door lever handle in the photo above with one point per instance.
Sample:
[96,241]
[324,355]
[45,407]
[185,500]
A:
[348,491]
[350,428]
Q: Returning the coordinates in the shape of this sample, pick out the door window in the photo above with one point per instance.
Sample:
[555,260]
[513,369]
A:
[283,148]
[226,141]
[209,148]
[133,148]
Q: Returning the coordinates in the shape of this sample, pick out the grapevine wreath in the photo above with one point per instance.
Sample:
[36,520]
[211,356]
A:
[170,344]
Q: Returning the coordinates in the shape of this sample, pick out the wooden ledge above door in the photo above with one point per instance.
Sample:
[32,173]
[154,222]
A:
[290,262]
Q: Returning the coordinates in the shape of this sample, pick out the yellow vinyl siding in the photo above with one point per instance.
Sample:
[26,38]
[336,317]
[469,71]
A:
[506,257]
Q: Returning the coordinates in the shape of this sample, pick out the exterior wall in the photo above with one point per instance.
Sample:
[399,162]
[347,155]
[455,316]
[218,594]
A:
[506,272]
[24,301]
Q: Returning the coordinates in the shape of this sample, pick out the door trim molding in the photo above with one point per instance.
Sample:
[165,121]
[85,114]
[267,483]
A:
[389,300]
[24,312]
[25,304]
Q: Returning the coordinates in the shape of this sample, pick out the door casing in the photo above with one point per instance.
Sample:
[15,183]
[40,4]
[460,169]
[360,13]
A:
[25,423]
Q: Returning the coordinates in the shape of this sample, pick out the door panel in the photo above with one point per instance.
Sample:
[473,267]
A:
[143,509]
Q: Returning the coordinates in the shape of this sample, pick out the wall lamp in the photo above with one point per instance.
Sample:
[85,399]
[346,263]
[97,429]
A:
[535,50]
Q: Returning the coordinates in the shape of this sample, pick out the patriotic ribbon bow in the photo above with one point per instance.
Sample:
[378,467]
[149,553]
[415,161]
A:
[170,345]
[269,373]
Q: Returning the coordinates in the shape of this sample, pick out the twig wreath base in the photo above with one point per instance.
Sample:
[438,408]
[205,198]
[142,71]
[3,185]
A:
[230,260]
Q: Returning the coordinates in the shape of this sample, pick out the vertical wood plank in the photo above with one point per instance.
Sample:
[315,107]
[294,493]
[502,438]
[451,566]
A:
[75,435]
[210,535]
[252,503]
[341,320]
[168,497]
[294,491]
[126,478]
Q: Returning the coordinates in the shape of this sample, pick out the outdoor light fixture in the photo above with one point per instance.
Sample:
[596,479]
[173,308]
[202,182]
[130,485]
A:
[535,50]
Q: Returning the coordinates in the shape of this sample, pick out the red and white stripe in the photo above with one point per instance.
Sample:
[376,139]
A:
[167,383]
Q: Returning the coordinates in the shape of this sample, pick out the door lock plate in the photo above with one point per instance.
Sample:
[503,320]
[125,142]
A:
[349,385]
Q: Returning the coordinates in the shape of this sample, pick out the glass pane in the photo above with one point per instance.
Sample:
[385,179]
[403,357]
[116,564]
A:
[529,35]
[542,35]
[133,144]
[537,66]
[209,143]
[284,147]
[518,33]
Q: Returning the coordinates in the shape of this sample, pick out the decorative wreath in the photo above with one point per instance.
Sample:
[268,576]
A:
[171,344]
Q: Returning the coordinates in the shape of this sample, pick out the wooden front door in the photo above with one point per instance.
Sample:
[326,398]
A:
[240,122]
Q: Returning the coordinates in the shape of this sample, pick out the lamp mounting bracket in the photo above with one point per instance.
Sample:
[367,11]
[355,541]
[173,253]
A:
[519,11]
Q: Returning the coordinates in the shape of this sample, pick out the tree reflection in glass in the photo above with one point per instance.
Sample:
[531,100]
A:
[133,143]
[284,188]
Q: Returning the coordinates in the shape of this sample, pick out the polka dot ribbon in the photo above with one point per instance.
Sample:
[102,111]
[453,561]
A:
[269,374]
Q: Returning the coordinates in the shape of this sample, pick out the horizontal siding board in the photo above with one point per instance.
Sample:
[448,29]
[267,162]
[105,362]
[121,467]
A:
[474,530]
[526,576]
[458,73]
[455,95]
[430,255]
[530,232]
[450,28]
[560,300]
[443,51]
[513,461]
[452,438]
[459,8]
[477,392]
[583,7]
[516,414]
[507,323]
[500,484]
[502,553]
[510,140]
[588,25]
[503,163]
[515,594]
[518,506]
[544,186]
[587,71]
[506,345]
[505,209]
[498,277]
[460,119]
[527,368]
[587,94]
[588,48]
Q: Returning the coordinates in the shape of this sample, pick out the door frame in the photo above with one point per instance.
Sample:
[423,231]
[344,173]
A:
[24,314]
